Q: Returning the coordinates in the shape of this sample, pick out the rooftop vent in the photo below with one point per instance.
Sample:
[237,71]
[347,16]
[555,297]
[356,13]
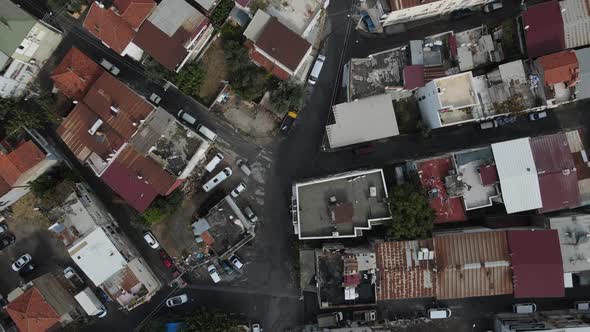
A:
[114,109]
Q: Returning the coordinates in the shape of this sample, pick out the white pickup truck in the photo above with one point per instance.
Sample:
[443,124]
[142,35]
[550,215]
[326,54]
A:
[90,303]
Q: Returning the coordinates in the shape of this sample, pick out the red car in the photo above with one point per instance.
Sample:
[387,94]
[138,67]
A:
[166,259]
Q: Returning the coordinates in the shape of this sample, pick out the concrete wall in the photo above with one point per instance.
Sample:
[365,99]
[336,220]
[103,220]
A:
[429,105]
[432,9]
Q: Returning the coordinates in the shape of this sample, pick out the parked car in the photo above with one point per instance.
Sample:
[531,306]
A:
[110,67]
[177,300]
[487,124]
[316,70]
[213,273]
[287,122]
[21,262]
[256,328]
[237,190]
[460,13]
[151,240]
[6,241]
[213,162]
[368,21]
[505,120]
[3,228]
[102,295]
[226,267]
[155,98]
[250,214]
[166,260]
[236,262]
[72,276]
[186,117]
[244,167]
[582,305]
[537,115]
[524,308]
[217,179]
[439,313]
[493,6]
[178,281]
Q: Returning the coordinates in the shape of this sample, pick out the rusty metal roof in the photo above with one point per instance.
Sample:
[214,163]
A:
[472,264]
[147,170]
[401,275]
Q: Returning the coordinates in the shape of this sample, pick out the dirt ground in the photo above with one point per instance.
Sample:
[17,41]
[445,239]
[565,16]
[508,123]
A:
[213,59]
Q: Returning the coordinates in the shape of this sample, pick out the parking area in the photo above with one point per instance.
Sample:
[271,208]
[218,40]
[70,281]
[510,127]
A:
[32,237]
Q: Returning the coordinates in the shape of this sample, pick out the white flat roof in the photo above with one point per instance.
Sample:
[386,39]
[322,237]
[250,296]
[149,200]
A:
[362,120]
[256,26]
[513,72]
[518,175]
[96,255]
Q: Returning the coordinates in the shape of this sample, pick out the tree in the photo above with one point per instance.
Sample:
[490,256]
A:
[221,12]
[288,96]
[230,31]
[514,104]
[255,5]
[16,114]
[207,321]
[162,207]
[412,217]
[190,79]
[46,184]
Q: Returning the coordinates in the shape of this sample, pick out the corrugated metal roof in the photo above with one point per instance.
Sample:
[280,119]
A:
[282,44]
[583,86]
[537,264]
[472,264]
[518,175]
[558,179]
[544,34]
[576,22]
[363,120]
[401,275]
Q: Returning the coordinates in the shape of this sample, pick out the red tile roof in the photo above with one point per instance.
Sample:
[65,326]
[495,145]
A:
[134,12]
[536,263]
[108,91]
[560,67]
[413,77]
[282,44]
[267,64]
[150,171]
[558,179]
[31,313]
[167,51]
[15,163]
[109,27]
[472,264]
[545,34]
[133,190]
[75,74]
[401,275]
[432,176]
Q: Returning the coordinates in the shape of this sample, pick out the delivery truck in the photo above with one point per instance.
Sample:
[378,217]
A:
[90,303]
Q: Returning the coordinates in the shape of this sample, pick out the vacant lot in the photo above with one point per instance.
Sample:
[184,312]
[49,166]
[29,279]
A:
[213,60]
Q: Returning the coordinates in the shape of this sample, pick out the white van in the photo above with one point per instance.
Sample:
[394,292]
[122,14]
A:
[220,177]
[317,69]
[243,167]
[213,273]
[207,133]
[524,308]
[439,313]
[186,117]
[214,162]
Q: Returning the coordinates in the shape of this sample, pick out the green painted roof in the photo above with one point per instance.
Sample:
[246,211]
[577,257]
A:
[15,24]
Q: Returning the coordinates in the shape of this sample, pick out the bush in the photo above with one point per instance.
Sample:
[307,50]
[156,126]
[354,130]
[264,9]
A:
[47,184]
[246,79]
[221,12]
[162,207]
[288,96]
[190,79]
[412,217]
[16,114]
[255,5]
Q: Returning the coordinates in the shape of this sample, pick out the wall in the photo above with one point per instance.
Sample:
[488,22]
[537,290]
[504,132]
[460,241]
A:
[428,10]
[430,105]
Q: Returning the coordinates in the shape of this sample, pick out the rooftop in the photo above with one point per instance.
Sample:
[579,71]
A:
[544,34]
[363,120]
[583,86]
[136,192]
[16,25]
[576,141]
[319,201]
[256,26]
[17,162]
[472,264]
[403,4]
[531,260]
[340,279]
[573,239]
[474,48]
[479,177]
[433,174]
[32,313]
[374,74]
[518,175]
[297,15]
[226,226]
[75,74]
[97,256]
[134,12]
[456,91]
[558,179]
[404,271]
[576,22]
[559,67]
[282,44]
[108,27]
[413,77]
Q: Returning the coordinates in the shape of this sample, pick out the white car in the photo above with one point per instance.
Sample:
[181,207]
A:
[220,177]
[151,240]
[176,300]
[213,273]
[256,328]
[21,261]
[236,262]
[236,192]
[3,228]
